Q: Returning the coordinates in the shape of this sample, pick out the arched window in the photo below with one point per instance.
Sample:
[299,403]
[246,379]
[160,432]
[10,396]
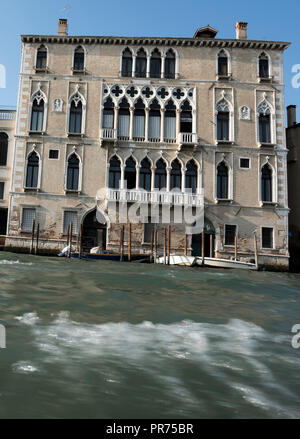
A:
[3,149]
[160,175]
[263,66]
[175,181]
[37,115]
[141,64]
[266,183]
[41,58]
[32,174]
[170,64]
[73,173]
[222,63]
[154,121]
[75,124]
[127,63]
[191,176]
[186,118]
[222,181]
[123,120]
[114,173]
[223,120]
[139,120]
[155,64]
[108,113]
[130,173]
[145,175]
[78,59]
[170,121]
[264,122]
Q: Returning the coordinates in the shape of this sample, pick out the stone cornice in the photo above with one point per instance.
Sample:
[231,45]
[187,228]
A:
[156,41]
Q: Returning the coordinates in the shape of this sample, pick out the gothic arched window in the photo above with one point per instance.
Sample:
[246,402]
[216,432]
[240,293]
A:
[37,114]
[108,114]
[170,121]
[191,176]
[145,174]
[3,149]
[130,173]
[73,173]
[170,61]
[141,64]
[264,122]
[139,120]
[222,181]
[127,63]
[124,119]
[160,175]
[114,173]
[32,173]
[175,181]
[155,64]
[186,118]
[154,121]
[41,58]
[223,120]
[266,183]
[78,59]
[75,124]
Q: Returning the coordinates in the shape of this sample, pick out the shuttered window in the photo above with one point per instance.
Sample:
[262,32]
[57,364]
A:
[28,215]
[230,233]
[267,237]
[70,216]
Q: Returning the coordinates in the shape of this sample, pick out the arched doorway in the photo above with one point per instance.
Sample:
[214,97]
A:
[209,242]
[93,233]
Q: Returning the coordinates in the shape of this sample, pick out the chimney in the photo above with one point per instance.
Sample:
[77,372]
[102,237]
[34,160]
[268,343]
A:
[241,30]
[291,115]
[62,26]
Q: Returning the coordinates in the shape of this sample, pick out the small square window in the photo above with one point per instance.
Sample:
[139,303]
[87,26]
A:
[245,163]
[267,237]
[230,233]
[2,190]
[53,153]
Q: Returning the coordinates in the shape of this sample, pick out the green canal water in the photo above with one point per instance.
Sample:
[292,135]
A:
[100,339]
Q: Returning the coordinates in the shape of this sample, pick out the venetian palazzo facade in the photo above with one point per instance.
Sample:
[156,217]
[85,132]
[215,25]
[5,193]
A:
[169,122]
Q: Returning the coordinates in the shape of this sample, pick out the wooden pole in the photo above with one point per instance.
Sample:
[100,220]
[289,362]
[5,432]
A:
[129,242]
[32,236]
[211,246]
[165,245]
[255,250]
[152,245]
[235,247]
[202,244]
[155,244]
[80,240]
[71,237]
[185,244]
[169,244]
[37,239]
[68,235]
[121,243]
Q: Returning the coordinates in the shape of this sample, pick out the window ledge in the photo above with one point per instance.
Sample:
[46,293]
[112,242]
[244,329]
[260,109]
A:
[72,191]
[224,142]
[75,134]
[78,72]
[269,79]
[31,189]
[265,144]
[223,200]
[41,70]
[268,203]
[224,77]
[37,133]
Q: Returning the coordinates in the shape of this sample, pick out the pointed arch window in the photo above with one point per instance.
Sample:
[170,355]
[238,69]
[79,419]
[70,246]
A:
[75,123]
[154,121]
[37,114]
[78,64]
[73,173]
[266,184]
[130,173]
[186,118]
[141,64]
[222,63]
[263,66]
[139,120]
[160,175]
[3,149]
[191,176]
[222,181]
[175,181]
[223,120]
[264,122]
[108,113]
[114,173]
[124,120]
[32,173]
[41,58]
[127,63]
[170,121]
[155,64]
[170,61]
[145,174]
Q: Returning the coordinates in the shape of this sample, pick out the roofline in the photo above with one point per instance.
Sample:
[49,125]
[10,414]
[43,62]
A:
[156,41]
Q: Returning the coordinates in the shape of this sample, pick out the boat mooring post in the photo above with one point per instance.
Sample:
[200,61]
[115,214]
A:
[255,250]
[32,236]
[122,244]
[71,237]
[155,244]
[152,245]
[37,239]
[68,236]
[235,247]
[80,240]
[210,246]
[165,245]
[202,245]
[169,244]
[129,242]
[185,245]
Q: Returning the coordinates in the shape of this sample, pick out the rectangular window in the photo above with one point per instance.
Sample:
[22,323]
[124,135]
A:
[28,215]
[70,216]
[2,190]
[267,237]
[53,153]
[230,233]
[223,125]
[148,227]
[245,163]
[264,129]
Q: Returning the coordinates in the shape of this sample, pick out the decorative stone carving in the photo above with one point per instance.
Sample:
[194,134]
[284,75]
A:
[245,113]
[222,106]
[58,105]
[264,108]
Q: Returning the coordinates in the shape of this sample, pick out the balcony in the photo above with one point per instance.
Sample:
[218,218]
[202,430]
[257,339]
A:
[188,139]
[108,134]
[155,197]
[7,114]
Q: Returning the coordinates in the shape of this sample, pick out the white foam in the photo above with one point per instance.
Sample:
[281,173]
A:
[24,367]
[6,262]
[30,318]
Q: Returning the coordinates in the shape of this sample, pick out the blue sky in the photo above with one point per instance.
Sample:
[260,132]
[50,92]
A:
[268,20]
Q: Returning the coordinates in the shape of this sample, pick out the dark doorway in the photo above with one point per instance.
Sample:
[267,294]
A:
[197,240]
[93,233]
[3,221]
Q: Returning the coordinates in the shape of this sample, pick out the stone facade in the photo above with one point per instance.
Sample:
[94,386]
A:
[199,90]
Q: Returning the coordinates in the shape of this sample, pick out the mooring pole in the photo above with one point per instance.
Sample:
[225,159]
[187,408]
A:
[71,237]
[235,247]
[169,244]
[152,245]
[255,250]
[68,236]
[211,246]
[165,245]
[202,244]
[185,244]
[155,244]
[121,243]
[80,240]
[37,238]
[32,236]
[129,242]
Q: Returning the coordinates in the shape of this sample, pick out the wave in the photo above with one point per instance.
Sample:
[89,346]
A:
[7,262]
